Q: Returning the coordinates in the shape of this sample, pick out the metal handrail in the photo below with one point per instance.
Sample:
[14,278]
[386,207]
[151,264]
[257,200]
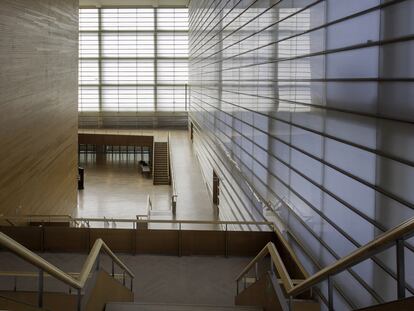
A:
[172,175]
[270,249]
[149,205]
[396,235]
[144,216]
[382,242]
[45,266]
[29,274]
[162,221]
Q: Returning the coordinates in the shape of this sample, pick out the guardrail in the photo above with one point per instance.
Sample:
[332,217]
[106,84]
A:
[19,274]
[75,221]
[78,282]
[141,221]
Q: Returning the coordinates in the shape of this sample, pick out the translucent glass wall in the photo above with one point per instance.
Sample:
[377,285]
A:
[133,67]
[308,105]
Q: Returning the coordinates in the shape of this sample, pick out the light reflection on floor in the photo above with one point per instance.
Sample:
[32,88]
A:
[115,188]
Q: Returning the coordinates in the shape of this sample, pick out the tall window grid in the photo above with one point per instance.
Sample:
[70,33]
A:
[133,60]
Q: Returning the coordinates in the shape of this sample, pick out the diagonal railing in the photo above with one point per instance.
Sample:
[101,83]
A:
[77,282]
[174,194]
[395,236]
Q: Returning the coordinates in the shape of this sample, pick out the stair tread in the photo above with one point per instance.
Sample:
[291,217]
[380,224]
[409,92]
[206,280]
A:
[131,306]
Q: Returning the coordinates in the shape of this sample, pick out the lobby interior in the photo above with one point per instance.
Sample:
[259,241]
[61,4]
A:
[207,155]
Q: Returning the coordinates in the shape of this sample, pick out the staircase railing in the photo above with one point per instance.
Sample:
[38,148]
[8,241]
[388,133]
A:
[174,194]
[78,282]
[395,236]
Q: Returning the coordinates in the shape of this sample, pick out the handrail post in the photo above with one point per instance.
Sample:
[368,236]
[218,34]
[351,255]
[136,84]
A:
[113,268]
[330,294]
[290,303]
[98,262]
[132,283]
[123,278]
[40,289]
[226,240]
[79,302]
[179,239]
[256,270]
[400,269]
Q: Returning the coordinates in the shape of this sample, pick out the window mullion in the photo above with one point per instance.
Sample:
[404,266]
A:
[100,122]
[156,59]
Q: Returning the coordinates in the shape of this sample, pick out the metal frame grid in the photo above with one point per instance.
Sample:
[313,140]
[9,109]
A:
[304,100]
[133,67]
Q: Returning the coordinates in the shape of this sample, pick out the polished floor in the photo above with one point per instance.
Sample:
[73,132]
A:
[114,187]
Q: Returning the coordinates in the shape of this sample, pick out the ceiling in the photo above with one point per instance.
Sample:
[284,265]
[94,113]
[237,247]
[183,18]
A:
[155,3]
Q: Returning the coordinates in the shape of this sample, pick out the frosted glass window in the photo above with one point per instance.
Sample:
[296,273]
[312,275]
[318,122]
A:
[172,19]
[127,19]
[172,45]
[118,59]
[88,45]
[88,19]
[88,72]
[128,45]
[88,99]
[171,98]
[128,72]
[333,119]
[172,71]
[138,99]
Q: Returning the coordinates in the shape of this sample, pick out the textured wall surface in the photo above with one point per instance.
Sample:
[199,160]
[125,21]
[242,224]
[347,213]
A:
[309,105]
[38,106]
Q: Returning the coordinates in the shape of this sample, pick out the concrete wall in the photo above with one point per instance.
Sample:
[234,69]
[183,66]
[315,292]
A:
[38,106]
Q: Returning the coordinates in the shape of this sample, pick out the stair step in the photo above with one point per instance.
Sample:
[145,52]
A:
[125,306]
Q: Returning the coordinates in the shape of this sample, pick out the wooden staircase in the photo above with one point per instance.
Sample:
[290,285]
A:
[161,164]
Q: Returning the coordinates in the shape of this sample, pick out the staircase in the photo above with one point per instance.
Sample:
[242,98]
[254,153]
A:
[161,174]
[122,306]
[273,280]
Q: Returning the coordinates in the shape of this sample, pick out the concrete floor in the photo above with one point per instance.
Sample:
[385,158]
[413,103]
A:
[114,188]
[160,279]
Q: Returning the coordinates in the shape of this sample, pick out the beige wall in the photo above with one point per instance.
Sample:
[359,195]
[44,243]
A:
[38,106]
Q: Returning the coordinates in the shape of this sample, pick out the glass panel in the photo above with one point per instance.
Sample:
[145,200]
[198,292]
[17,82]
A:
[88,45]
[128,45]
[128,19]
[88,98]
[171,98]
[118,99]
[172,45]
[172,19]
[88,72]
[128,72]
[88,19]
[173,71]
